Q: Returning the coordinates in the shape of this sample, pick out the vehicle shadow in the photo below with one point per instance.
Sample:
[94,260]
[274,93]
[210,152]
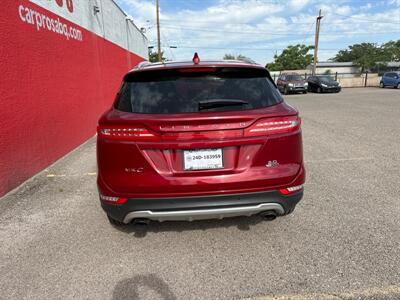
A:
[140,231]
[129,288]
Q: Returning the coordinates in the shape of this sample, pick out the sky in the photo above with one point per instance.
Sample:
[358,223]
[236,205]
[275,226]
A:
[259,29]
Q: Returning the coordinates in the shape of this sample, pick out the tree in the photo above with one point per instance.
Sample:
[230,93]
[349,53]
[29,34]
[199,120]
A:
[391,50]
[369,55]
[292,58]
[153,56]
[364,55]
[229,56]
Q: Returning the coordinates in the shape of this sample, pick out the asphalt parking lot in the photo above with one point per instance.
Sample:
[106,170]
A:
[342,242]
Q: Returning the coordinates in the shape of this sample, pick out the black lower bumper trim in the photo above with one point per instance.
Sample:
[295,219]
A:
[118,212]
[331,90]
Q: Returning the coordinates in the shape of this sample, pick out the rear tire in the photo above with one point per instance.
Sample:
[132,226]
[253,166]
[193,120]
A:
[304,92]
[114,222]
[381,85]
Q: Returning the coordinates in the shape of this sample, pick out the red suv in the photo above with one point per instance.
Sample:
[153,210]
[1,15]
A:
[199,140]
[292,83]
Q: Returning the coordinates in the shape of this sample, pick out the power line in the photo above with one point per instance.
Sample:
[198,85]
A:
[228,31]
[170,21]
[364,20]
[339,33]
[309,32]
[169,46]
[220,22]
[276,2]
[242,48]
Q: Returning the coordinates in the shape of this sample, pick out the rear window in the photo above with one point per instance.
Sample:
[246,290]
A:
[327,78]
[294,77]
[180,91]
[392,75]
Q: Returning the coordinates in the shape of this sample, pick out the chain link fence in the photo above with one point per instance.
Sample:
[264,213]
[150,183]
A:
[364,79]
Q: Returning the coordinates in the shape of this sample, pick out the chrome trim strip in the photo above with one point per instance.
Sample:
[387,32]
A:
[203,214]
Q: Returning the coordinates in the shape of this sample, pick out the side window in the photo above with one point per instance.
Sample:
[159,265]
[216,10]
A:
[124,98]
[283,77]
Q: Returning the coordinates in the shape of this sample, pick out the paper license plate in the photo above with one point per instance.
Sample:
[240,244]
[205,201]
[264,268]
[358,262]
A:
[203,159]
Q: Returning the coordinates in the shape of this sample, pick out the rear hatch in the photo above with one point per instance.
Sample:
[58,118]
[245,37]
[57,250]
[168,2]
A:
[198,131]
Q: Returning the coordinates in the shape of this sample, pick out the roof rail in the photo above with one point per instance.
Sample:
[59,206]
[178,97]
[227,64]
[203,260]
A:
[142,64]
[248,60]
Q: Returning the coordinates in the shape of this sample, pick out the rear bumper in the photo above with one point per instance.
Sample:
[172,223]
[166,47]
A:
[331,89]
[205,207]
[297,89]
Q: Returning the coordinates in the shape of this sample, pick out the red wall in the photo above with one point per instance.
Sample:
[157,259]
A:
[52,91]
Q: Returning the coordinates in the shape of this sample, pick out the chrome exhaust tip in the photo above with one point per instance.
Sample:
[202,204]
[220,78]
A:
[141,221]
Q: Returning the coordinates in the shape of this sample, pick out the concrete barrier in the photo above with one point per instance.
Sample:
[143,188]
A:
[372,80]
[345,79]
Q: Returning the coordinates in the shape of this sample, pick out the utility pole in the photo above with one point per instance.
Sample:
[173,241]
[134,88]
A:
[158,30]
[317,27]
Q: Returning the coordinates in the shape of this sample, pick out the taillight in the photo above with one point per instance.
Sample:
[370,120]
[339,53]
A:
[291,190]
[275,125]
[198,70]
[113,200]
[126,133]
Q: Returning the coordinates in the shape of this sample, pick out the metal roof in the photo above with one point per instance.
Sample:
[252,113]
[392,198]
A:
[393,64]
[335,64]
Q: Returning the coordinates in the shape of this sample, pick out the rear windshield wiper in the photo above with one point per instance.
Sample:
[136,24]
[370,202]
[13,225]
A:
[212,103]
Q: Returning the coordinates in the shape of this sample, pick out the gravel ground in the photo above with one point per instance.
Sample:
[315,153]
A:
[342,242]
